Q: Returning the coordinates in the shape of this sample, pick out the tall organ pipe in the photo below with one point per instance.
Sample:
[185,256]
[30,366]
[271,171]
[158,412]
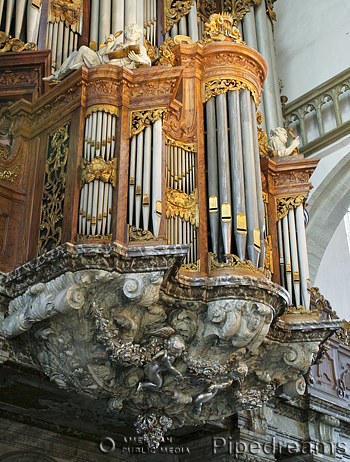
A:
[9,12]
[280,250]
[132,179]
[94,21]
[192,23]
[213,178]
[237,174]
[259,197]
[302,251]
[117,17]
[138,183]
[294,256]
[157,176]
[224,171]
[105,18]
[147,176]
[20,6]
[249,177]
[287,257]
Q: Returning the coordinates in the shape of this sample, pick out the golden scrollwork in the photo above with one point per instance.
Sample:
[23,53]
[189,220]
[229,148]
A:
[218,86]
[142,119]
[152,50]
[54,190]
[138,234]
[284,204]
[98,169]
[301,310]
[239,8]
[221,27]
[262,136]
[113,110]
[174,10]
[190,147]
[9,175]
[166,56]
[268,263]
[232,261]
[205,8]
[68,11]
[93,237]
[179,203]
[344,333]
[7,43]
[194,267]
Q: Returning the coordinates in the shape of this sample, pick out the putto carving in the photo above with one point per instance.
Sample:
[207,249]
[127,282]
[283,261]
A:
[7,43]
[284,204]
[178,203]
[98,169]
[142,119]
[127,54]
[277,143]
[221,27]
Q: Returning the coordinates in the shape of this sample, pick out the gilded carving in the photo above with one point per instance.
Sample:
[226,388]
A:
[138,234]
[167,57]
[94,237]
[284,204]
[109,108]
[7,43]
[218,86]
[205,8]
[232,261]
[54,191]
[262,136]
[192,267]
[9,175]
[221,27]
[98,169]
[68,11]
[143,119]
[190,147]
[344,333]
[268,263]
[174,10]
[239,8]
[178,203]
[301,310]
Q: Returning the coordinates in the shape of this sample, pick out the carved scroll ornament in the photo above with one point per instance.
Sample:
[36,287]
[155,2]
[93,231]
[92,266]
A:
[9,175]
[284,204]
[7,43]
[174,10]
[142,119]
[221,27]
[190,147]
[239,8]
[218,86]
[232,261]
[179,203]
[98,169]
[68,11]
[262,136]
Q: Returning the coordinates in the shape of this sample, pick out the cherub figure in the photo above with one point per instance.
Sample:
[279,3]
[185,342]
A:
[277,143]
[163,362]
[117,54]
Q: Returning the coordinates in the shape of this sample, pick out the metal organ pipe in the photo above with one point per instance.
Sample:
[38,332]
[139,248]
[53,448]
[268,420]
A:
[117,16]
[94,22]
[192,23]
[224,171]
[294,256]
[9,12]
[157,176]
[146,193]
[237,174]
[287,256]
[138,183]
[253,232]
[105,19]
[302,252]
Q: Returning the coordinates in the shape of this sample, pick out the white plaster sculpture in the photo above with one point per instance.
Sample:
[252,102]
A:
[85,56]
[277,143]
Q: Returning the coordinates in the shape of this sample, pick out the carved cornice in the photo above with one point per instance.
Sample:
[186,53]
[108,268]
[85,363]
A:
[221,27]
[234,262]
[7,43]
[178,203]
[139,120]
[284,204]
[98,169]
[174,10]
[222,85]
[190,147]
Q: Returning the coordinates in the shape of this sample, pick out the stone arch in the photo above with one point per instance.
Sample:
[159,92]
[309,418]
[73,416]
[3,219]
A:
[25,456]
[327,207]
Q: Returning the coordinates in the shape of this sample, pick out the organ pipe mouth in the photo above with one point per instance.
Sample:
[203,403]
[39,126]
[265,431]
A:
[213,204]
[241,223]
[226,212]
[256,234]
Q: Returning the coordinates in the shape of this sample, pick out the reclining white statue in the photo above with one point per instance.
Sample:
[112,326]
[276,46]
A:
[127,54]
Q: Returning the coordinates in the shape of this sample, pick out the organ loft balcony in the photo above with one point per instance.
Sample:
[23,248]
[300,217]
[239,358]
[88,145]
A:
[153,252]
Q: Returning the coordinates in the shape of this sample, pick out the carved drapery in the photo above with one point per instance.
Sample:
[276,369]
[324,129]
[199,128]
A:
[178,203]
[54,190]
[98,169]
[174,10]
[284,204]
[142,119]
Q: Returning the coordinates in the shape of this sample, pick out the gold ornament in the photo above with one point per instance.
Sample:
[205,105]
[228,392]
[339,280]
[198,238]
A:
[143,119]
[192,267]
[10,176]
[98,169]
[174,10]
[179,203]
[284,204]
[232,261]
[67,11]
[190,147]
[262,136]
[221,27]
[218,86]
[113,110]
[7,43]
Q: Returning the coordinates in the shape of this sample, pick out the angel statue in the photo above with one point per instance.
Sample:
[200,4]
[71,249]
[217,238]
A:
[128,54]
[277,143]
